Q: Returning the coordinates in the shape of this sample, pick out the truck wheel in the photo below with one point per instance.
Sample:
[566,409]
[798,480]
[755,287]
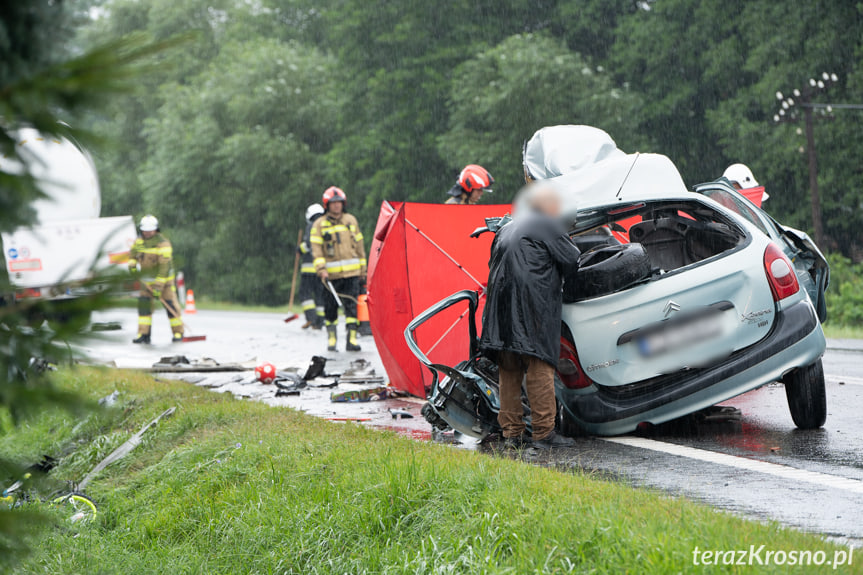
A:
[608,269]
[807,398]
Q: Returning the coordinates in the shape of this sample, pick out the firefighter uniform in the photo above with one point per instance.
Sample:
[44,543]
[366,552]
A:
[152,261]
[462,200]
[311,289]
[337,247]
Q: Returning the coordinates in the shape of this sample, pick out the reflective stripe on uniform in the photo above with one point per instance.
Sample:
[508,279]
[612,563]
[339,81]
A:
[358,237]
[316,239]
[166,252]
[145,320]
[164,279]
[308,304]
[308,269]
[320,262]
[351,320]
[175,321]
[344,265]
[363,262]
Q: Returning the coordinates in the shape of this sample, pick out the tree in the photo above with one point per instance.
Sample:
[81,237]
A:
[548,85]
[235,156]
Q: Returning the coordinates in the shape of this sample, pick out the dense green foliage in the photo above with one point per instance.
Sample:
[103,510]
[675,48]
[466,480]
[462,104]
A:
[231,486]
[278,99]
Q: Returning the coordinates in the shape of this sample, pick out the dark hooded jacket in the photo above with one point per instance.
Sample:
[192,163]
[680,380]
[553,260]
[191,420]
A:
[530,259]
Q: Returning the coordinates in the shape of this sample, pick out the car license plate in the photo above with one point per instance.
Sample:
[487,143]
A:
[680,335]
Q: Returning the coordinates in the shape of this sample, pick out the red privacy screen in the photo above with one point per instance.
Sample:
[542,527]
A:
[422,253]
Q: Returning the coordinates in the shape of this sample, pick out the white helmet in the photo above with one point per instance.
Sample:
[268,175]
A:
[149,224]
[313,211]
[741,175]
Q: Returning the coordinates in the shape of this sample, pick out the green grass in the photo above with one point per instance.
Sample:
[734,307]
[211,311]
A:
[843,331]
[229,486]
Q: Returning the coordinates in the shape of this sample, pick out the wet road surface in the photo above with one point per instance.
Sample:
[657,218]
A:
[761,466]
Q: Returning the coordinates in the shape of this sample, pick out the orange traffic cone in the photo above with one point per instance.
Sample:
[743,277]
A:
[190,302]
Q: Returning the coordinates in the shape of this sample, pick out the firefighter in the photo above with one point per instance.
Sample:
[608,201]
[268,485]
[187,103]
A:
[741,178]
[472,183]
[340,261]
[311,289]
[151,261]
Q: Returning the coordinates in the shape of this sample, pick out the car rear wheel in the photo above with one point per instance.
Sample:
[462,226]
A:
[807,397]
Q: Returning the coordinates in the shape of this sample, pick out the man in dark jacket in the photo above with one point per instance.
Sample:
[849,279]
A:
[530,259]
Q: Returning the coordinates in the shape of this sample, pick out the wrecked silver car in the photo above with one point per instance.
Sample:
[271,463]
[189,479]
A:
[680,303]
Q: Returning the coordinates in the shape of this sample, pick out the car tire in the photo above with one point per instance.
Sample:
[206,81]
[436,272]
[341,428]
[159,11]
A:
[807,397]
[566,425]
[606,270]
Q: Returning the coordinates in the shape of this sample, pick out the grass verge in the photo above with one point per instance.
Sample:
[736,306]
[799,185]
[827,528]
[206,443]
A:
[843,331]
[228,486]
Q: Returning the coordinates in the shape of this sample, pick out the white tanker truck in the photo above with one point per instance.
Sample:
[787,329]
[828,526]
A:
[69,243]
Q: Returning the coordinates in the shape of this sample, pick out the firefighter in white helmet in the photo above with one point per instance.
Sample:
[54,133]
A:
[151,261]
[741,178]
[311,289]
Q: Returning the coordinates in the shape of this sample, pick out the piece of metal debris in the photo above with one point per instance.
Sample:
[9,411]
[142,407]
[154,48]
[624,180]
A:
[401,414]
[181,364]
[124,449]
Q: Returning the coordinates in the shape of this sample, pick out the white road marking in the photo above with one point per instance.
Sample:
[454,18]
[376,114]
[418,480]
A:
[775,469]
[845,378]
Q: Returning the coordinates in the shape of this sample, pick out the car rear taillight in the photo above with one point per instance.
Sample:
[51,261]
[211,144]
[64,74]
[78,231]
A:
[780,273]
[568,368]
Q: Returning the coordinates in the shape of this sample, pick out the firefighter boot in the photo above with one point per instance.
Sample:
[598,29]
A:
[331,337]
[142,338]
[352,344]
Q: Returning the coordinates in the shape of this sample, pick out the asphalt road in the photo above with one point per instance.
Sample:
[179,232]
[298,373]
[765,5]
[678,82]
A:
[761,466]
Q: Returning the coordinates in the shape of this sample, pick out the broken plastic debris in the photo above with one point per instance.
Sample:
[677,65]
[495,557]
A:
[401,414]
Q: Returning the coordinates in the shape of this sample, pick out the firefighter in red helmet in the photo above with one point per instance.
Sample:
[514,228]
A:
[472,183]
[340,262]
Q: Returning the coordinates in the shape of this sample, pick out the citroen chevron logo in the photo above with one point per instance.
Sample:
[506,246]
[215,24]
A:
[671,307]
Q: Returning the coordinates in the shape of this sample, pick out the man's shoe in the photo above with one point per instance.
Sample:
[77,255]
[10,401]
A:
[518,442]
[553,441]
[142,339]
[177,338]
[306,325]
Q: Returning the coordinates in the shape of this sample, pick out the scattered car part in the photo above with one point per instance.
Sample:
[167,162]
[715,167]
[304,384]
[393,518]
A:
[316,368]
[124,449]
[361,396]
[401,413]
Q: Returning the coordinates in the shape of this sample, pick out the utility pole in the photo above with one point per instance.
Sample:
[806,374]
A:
[814,196]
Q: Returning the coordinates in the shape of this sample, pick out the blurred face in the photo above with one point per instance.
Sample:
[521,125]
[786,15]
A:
[336,208]
[147,235]
[476,195]
[546,201]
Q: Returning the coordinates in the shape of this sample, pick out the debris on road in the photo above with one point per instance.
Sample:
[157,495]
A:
[106,326]
[180,364]
[401,413]
[362,395]
[360,372]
